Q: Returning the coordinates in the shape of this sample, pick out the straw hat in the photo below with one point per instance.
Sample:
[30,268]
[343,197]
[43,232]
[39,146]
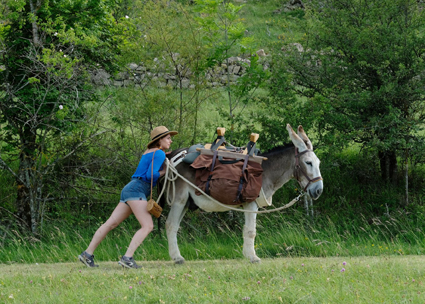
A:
[158,133]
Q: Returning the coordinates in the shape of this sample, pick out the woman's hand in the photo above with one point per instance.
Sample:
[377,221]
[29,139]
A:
[164,169]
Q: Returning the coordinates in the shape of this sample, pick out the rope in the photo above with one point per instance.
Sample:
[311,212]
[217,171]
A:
[171,178]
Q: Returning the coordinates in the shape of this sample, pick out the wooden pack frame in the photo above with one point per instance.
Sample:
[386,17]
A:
[220,145]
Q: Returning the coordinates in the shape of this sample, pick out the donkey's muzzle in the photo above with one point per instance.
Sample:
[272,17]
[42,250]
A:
[315,190]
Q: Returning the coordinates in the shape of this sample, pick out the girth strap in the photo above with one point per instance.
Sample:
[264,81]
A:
[220,141]
[245,163]
[207,186]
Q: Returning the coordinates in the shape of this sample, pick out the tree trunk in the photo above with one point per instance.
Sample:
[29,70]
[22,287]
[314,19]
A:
[23,211]
[34,8]
[26,200]
[388,163]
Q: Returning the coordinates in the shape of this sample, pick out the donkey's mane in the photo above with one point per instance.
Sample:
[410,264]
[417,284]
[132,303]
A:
[278,149]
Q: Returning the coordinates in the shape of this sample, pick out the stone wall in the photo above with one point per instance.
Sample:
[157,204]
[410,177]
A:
[162,75]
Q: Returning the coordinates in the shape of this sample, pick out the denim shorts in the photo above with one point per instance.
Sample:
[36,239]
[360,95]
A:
[135,190]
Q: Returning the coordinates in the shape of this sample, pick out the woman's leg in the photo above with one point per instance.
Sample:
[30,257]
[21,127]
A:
[121,212]
[139,209]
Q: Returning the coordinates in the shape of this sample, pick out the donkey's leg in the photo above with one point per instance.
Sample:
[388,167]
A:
[249,232]
[177,211]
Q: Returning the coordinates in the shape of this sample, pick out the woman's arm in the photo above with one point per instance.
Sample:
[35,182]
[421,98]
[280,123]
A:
[158,161]
[164,169]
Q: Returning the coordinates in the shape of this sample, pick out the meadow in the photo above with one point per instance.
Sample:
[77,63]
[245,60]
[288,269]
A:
[303,261]
[365,244]
[384,279]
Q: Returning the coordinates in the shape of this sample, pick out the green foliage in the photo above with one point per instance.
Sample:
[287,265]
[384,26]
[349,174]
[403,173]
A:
[224,35]
[49,48]
[360,69]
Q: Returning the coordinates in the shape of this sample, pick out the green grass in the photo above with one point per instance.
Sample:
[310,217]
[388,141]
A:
[205,236]
[394,279]
[268,27]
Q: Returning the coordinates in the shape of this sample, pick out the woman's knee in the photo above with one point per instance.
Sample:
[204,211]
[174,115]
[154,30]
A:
[148,227]
[109,225]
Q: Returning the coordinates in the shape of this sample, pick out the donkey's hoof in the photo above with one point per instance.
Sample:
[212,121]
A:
[179,261]
[255,259]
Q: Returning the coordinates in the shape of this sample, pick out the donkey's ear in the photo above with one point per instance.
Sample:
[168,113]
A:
[296,140]
[301,133]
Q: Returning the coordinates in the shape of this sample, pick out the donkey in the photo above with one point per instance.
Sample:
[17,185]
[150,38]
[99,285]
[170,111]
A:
[283,163]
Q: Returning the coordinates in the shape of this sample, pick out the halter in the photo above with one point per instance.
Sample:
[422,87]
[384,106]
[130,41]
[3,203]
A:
[298,169]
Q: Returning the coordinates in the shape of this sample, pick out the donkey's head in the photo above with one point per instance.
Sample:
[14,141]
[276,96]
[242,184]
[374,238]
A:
[307,164]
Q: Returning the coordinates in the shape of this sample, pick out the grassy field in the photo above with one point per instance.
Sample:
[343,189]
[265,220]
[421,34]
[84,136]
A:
[342,256]
[383,279]
[302,262]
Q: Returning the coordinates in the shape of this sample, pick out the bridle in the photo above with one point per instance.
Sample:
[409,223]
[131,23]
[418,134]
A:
[298,169]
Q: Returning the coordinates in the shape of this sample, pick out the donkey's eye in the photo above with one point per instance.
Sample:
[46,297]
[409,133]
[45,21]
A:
[309,163]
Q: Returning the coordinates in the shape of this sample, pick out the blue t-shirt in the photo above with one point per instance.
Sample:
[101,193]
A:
[144,169]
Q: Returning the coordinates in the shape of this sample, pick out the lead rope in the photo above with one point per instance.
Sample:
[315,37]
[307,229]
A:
[171,178]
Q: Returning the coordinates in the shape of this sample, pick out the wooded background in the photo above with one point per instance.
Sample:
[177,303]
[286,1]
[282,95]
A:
[82,85]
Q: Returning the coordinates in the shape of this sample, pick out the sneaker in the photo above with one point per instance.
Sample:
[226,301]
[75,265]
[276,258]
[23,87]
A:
[128,262]
[87,259]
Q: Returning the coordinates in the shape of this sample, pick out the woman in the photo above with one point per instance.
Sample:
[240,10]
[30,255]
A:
[134,199]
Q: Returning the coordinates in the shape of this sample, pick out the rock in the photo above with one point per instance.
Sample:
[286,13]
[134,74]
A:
[185,83]
[236,69]
[101,77]
[293,5]
[261,53]
[133,66]
[296,45]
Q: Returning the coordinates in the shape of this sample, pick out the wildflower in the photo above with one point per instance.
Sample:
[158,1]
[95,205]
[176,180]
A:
[258,282]
[31,282]
[302,265]
[64,56]
[413,280]
[343,269]
[11,296]
[291,277]
[344,263]
[126,17]
[332,270]
[55,34]
[246,298]
[130,287]
[140,282]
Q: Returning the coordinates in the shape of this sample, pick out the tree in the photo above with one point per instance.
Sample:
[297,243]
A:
[48,49]
[224,36]
[362,70]
[170,45]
